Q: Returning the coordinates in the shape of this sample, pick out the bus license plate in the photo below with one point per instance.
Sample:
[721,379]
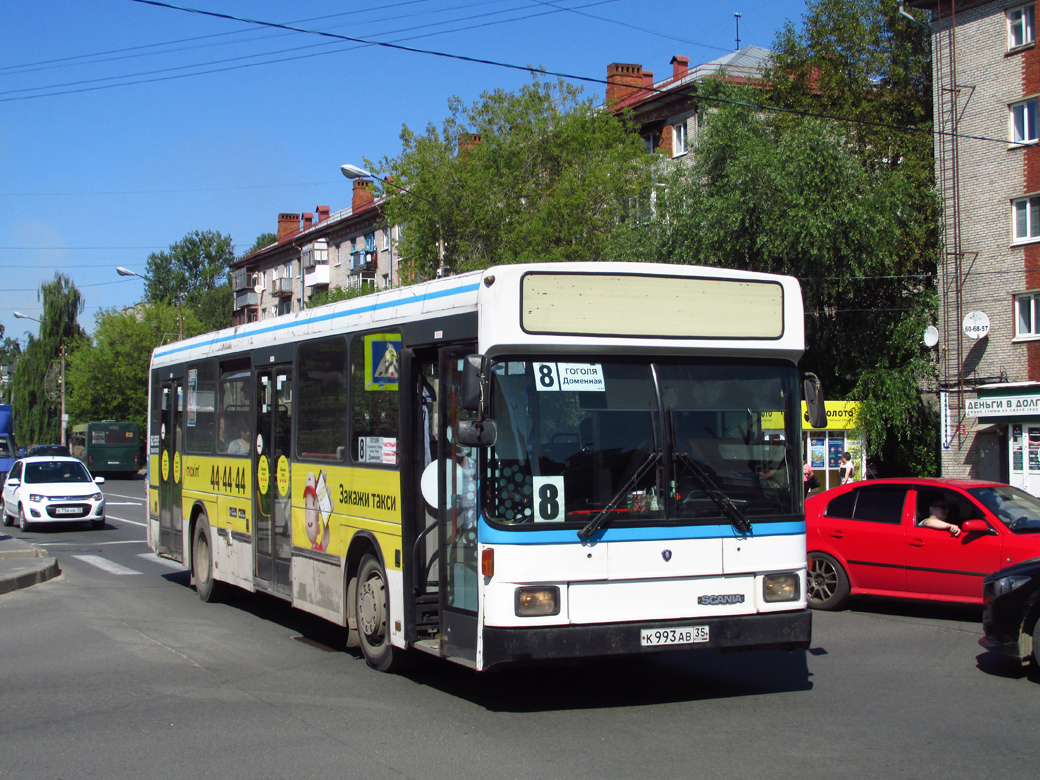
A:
[686,635]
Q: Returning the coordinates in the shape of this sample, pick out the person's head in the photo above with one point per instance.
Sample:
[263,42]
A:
[939,507]
[846,456]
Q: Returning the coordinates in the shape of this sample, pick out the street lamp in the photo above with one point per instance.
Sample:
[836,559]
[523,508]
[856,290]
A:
[64,418]
[180,315]
[354,172]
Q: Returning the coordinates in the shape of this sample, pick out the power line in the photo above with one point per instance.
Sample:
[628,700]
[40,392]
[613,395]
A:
[560,74]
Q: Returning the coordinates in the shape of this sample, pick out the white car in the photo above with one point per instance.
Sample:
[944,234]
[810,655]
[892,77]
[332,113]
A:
[52,490]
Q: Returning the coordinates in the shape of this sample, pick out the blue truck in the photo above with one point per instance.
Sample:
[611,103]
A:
[8,446]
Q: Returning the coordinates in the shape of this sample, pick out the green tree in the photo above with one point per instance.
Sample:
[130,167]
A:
[795,198]
[535,175]
[863,61]
[264,239]
[337,293]
[36,386]
[10,351]
[108,376]
[193,274]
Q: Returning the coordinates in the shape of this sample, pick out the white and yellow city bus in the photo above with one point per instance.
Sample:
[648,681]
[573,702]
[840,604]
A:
[525,463]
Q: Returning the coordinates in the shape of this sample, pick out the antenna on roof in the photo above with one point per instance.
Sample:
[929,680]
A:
[736,18]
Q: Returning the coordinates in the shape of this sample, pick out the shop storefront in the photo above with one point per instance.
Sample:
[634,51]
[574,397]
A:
[823,448]
[1010,413]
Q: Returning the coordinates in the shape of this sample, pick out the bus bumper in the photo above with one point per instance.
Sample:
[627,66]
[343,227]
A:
[771,631]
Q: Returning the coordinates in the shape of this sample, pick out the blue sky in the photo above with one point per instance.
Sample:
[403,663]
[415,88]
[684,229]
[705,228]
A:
[124,126]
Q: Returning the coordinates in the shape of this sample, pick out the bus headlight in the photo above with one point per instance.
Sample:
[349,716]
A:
[780,587]
[538,601]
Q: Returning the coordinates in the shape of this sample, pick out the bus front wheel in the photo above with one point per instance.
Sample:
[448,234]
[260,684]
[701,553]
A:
[202,563]
[372,608]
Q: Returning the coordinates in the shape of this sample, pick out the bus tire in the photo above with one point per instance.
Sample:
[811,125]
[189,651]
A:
[202,563]
[827,583]
[372,608]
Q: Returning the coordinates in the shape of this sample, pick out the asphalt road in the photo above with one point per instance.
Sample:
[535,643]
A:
[116,670]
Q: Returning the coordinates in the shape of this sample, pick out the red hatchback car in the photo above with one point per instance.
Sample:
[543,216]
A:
[867,538]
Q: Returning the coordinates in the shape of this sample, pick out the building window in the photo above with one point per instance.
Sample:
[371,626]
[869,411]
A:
[1021,26]
[1026,213]
[1024,126]
[370,242]
[679,139]
[386,239]
[1026,311]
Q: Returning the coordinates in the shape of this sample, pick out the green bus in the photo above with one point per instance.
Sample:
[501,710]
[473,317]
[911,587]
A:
[108,447]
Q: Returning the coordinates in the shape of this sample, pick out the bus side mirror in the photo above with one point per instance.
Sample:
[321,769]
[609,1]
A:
[476,433]
[814,403]
[474,384]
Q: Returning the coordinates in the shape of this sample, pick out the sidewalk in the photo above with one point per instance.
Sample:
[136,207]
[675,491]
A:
[22,565]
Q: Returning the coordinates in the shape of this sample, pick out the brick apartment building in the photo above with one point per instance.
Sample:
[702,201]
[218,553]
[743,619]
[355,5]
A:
[315,251]
[667,111]
[986,72]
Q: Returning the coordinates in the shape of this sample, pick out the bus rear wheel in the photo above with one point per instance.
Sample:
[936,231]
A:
[202,563]
[372,608]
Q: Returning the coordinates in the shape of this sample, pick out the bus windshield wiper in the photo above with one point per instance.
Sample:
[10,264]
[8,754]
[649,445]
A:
[722,501]
[597,522]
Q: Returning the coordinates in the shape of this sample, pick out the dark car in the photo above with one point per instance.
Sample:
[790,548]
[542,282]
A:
[1010,612]
[880,538]
[38,450]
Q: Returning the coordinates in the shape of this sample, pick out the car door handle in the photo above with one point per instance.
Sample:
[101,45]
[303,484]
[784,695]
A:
[836,534]
[917,542]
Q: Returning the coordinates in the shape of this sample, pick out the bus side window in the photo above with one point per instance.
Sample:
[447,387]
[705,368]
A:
[374,373]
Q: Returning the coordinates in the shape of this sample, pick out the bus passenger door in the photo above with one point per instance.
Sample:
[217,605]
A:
[457,468]
[170,517]
[272,496]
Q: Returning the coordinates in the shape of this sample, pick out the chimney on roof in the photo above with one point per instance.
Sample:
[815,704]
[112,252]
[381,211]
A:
[308,219]
[469,140]
[288,223]
[323,213]
[623,80]
[648,79]
[680,66]
[363,194]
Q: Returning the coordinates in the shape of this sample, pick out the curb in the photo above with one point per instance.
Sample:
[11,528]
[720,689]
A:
[32,572]
[22,565]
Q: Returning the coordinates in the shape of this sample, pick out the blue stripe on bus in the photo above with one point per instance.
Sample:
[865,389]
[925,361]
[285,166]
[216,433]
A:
[429,296]
[489,535]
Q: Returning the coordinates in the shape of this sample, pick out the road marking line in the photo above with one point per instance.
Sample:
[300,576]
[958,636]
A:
[122,503]
[90,544]
[132,498]
[128,522]
[105,565]
[162,561]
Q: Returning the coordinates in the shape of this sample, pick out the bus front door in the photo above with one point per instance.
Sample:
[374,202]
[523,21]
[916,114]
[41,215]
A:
[170,517]
[457,468]
[272,491]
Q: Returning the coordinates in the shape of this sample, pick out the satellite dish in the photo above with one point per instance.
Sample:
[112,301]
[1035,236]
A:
[258,289]
[931,336]
[976,325]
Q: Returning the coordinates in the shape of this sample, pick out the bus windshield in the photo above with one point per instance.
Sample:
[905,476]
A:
[706,441]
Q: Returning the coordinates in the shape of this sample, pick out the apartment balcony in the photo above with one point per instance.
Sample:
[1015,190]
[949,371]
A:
[282,287]
[317,276]
[246,297]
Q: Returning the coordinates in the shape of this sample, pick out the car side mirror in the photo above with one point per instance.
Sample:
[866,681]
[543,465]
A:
[99,480]
[975,527]
[13,482]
